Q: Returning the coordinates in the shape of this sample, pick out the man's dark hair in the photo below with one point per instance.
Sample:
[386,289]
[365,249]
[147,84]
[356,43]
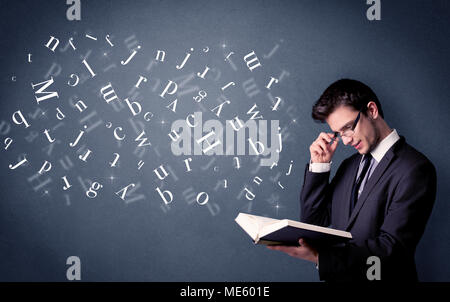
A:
[345,92]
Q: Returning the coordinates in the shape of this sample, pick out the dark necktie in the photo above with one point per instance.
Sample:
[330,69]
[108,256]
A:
[359,180]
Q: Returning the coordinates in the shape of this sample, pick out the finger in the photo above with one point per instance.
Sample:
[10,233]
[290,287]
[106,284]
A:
[291,250]
[322,144]
[316,148]
[277,247]
[334,145]
[317,151]
[303,243]
[326,136]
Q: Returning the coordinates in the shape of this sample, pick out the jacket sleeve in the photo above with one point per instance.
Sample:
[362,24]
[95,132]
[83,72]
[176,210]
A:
[316,195]
[401,230]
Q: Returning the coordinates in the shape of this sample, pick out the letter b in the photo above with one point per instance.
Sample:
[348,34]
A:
[163,197]
[132,109]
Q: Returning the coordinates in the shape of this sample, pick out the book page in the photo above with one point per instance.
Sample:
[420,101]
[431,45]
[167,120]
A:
[260,222]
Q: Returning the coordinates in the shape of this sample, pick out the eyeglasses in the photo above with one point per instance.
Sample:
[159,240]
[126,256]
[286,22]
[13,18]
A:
[349,131]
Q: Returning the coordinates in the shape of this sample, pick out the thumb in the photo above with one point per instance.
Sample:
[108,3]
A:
[302,242]
[334,144]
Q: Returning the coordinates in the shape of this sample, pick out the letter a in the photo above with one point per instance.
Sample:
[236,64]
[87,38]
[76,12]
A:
[73,12]
[374,12]
[74,271]
[374,272]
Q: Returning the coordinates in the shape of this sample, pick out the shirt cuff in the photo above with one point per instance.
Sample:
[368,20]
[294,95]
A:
[319,167]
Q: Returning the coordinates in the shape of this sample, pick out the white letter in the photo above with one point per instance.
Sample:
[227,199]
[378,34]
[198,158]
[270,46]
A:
[272,79]
[163,197]
[209,144]
[50,42]
[374,272]
[124,191]
[255,147]
[163,55]
[130,105]
[206,198]
[79,104]
[88,68]
[220,108]
[73,12]
[186,161]
[254,114]
[238,121]
[141,78]
[174,104]
[48,136]
[41,90]
[74,271]
[59,115]
[374,12]
[67,184]
[76,80]
[188,123]
[142,139]
[249,60]
[22,119]
[44,169]
[106,91]
[8,142]
[119,138]
[18,164]
[174,137]
[252,196]
[166,90]
[163,170]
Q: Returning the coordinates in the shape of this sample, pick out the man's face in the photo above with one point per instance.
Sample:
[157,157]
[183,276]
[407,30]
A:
[365,135]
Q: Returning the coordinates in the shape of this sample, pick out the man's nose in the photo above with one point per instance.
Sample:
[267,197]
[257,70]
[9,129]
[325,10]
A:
[346,140]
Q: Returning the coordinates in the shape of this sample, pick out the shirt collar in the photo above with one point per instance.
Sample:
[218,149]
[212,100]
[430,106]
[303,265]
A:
[381,149]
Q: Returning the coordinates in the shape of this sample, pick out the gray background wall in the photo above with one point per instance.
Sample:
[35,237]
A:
[403,57]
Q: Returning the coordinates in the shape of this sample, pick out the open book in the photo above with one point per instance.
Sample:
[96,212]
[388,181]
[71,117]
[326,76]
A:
[271,231]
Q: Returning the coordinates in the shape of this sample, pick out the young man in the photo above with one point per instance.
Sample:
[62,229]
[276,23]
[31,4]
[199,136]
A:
[383,194]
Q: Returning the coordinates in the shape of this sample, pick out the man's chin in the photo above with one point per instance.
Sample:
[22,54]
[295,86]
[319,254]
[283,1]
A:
[362,151]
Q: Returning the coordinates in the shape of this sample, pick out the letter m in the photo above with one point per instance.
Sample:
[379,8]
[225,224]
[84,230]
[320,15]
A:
[41,90]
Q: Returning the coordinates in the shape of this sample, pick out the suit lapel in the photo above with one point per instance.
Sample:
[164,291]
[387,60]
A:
[373,180]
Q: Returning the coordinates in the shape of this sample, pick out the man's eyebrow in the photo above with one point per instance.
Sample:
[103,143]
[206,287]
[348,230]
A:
[345,126]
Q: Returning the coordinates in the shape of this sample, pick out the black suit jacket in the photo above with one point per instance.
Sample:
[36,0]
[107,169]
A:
[388,220]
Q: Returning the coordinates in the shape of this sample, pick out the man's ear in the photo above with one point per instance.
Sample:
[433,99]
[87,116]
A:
[372,110]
